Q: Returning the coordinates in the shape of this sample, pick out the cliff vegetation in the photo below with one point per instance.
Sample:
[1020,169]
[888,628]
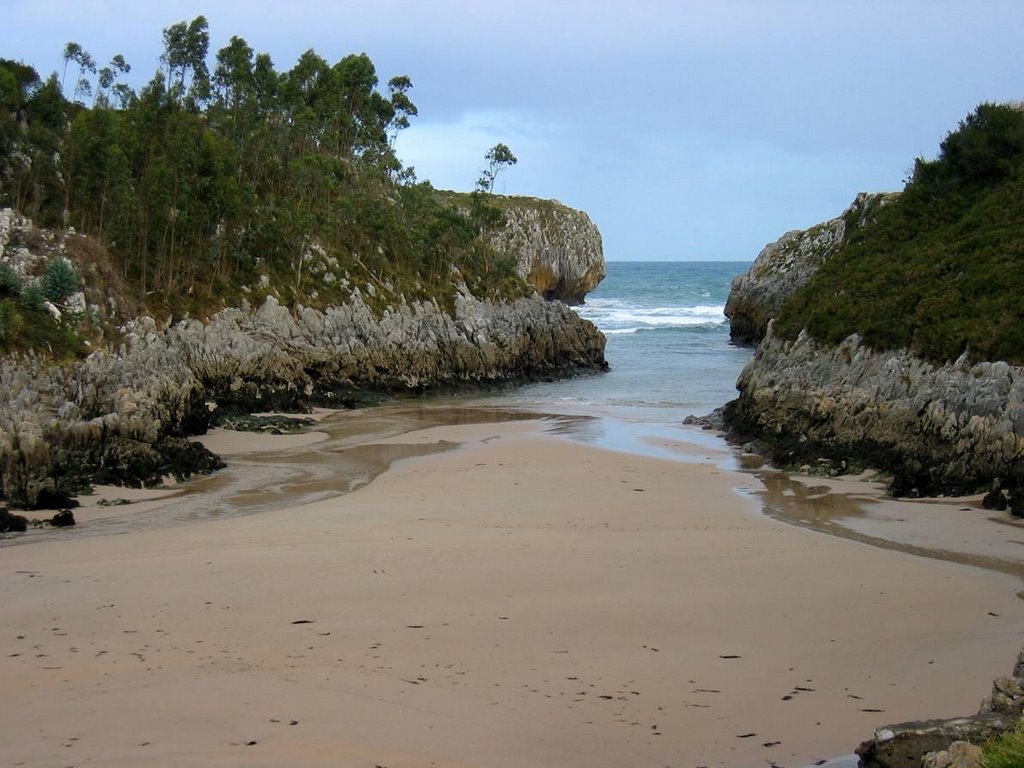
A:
[224,178]
[233,239]
[757,296]
[938,270]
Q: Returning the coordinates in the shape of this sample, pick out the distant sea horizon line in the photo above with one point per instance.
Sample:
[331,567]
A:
[679,261]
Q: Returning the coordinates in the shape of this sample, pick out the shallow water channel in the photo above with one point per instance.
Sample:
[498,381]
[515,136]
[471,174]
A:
[354,447]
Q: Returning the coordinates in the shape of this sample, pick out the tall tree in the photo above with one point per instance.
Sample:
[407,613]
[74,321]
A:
[498,157]
[107,78]
[401,106]
[185,50]
[76,53]
[233,75]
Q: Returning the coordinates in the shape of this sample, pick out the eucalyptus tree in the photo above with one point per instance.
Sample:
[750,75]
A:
[108,76]
[498,157]
[402,107]
[233,82]
[184,56]
[76,53]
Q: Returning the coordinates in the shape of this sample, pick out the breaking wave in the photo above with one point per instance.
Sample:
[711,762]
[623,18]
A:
[614,316]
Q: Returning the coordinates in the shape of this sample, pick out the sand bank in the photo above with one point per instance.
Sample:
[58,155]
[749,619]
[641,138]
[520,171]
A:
[519,601]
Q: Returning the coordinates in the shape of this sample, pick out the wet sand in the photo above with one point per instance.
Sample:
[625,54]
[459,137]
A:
[501,597]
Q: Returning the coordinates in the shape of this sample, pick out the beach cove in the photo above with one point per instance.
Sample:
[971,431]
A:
[516,598]
[552,575]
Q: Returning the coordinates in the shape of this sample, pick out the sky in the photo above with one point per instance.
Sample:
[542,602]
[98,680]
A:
[687,130]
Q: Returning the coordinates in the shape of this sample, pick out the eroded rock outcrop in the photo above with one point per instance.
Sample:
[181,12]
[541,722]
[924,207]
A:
[783,266]
[935,428]
[123,415]
[559,249]
[120,415]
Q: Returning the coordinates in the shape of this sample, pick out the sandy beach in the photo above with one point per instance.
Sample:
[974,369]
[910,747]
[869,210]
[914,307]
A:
[519,600]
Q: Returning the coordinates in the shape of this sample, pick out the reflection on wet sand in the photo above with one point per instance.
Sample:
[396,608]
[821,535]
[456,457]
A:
[358,446]
[809,503]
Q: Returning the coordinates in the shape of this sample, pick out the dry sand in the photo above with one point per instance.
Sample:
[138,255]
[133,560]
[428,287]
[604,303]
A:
[521,601]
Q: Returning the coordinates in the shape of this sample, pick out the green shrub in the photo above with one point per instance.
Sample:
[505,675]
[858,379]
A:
[938,270]
[10,282]
[32,297]
[11,321]
[60,280]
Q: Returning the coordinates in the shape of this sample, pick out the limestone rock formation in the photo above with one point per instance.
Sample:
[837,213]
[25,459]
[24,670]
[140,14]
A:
[783,266]
[559,249]
[936,428]
[961,754]
[120,415]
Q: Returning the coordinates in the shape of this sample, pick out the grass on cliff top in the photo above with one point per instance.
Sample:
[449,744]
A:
[24,328]
[502,202]
[940,270]
[1006,750]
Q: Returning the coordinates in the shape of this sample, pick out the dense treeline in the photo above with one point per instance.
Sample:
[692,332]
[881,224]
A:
[940,270]
[209,176]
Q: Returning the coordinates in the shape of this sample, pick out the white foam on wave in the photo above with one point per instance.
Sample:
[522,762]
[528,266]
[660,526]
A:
[613,316]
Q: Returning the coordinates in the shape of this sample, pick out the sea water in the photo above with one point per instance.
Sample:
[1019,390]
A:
[668,346]
[668,352]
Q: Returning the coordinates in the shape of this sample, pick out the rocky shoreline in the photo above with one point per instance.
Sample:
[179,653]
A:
[948,429]
[124,415]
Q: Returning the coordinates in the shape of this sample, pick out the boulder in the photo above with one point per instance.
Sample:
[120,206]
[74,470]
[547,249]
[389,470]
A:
[995,499]
[63,519]
[12,523]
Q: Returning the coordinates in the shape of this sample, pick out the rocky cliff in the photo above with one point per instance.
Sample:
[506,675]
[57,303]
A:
[936,428]
[783,266]
[118,416]
[558,249]
[121,415]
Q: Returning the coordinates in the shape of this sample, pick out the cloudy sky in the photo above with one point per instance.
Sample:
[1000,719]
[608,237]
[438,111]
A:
[694,129]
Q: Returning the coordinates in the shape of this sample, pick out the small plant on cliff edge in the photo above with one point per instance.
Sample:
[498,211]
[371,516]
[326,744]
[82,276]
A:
[32,298]
[60,280]
[1007,750]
